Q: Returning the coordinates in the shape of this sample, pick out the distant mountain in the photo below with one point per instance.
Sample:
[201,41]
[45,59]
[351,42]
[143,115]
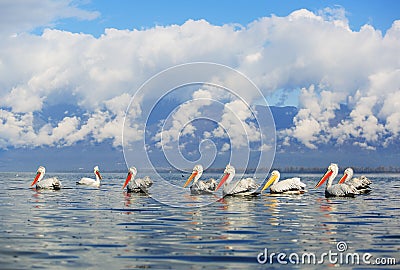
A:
[84,155]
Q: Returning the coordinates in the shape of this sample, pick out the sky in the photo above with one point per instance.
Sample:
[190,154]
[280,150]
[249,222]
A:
[70,70]
[122,14]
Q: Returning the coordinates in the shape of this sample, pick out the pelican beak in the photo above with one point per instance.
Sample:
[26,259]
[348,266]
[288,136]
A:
[344,177]
[128,178]
[323,179]
[98,174]
[269,182]
[222,181]
[190,179]
[36,178]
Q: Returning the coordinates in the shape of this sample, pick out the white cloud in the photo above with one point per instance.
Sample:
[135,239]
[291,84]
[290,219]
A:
[25,15]
[15,129]
[180,121]
[316,110]
[225,147]
[303,50]
[21,100]
[236,125]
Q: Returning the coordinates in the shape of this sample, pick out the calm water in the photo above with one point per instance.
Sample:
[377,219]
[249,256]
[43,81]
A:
[81,227]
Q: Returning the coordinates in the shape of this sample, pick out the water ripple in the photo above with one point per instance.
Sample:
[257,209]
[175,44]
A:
[109,229]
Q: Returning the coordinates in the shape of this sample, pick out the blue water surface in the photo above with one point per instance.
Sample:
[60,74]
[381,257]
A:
[106,228]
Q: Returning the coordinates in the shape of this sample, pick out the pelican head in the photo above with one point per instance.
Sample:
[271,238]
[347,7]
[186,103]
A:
[132,170]
[131,174]
[348,174]
[275,175]
[39,175]
[229,172]
[229,169]
[196,174]
[198,168]
[96,171]
[332,170]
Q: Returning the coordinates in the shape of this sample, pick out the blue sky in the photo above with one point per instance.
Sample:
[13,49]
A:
[122,14]
[70,69]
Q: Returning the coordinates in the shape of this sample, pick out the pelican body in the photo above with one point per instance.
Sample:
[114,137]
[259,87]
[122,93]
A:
[361,184]
[137,185]
[48,183]
[89,181]
[243,187]
[200,187]
[337,190]
[287,186]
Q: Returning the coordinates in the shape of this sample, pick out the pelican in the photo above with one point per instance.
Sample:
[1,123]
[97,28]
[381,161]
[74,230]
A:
[48,183]
[200,187]
[337,190]
[136,185]
[361,184]
[89,181]
[243,187]
[287,186]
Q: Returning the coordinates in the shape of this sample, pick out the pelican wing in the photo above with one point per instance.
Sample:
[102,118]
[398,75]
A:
[291,184]
[49,183]
[88,182]
[211,184]
[365,180]
[146,182]
[341,190]
[201,187]
[355,182]
[244,186]
[140,184]
[359,183]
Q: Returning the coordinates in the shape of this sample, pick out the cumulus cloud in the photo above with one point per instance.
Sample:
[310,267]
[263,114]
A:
[315,52]
[181,120]
[24,15]
[236,123]
[106,124]
[317,109]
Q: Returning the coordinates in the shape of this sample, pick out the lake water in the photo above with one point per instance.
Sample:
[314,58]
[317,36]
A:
[106,228]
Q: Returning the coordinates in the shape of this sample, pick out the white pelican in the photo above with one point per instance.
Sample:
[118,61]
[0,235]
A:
[361,184]
[200,187]
[136,185]
[242,187]
[89,181]
[287,186]
[337,190]
[48,183]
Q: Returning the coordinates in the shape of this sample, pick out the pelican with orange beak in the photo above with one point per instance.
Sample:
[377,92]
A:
[200,187]
[337,190]
[243,187]
[136,185]
[89,181]
[361,184]
[48,183]
[287,186]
